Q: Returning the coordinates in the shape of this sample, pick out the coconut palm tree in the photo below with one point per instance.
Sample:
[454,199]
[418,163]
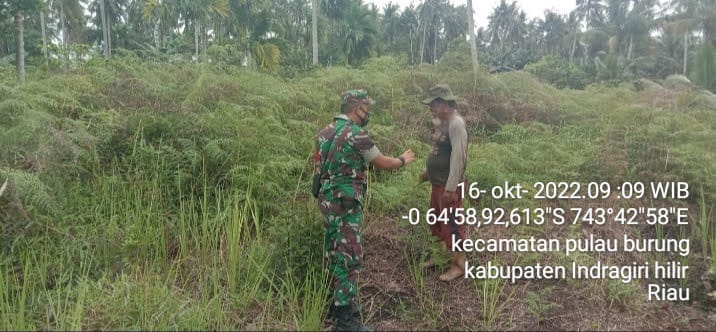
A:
[591,12]
[551,30]
[668,47]
[20,48]
[107,13]
[471,34]
[164,15]
[198,13]
[359,33]
[71,19]
[640,21]
[409,25]
[18,9]
[573,25]
[628,23]
[694,15]
[314,30]
[430,18]
[506,32]
[389,26]
[506,26]
[106,45]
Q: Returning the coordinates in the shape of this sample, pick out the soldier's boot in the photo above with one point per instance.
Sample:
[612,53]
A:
[356,310]
[457,267]
[345,321]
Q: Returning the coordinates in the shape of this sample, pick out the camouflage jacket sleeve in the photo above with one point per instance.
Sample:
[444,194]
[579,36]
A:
[363,143]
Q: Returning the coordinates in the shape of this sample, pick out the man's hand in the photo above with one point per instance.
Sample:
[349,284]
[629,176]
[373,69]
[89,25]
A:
[409,156]
[423,177]
[449,197]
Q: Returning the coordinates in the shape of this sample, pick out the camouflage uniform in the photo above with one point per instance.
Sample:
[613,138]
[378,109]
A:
[343,152]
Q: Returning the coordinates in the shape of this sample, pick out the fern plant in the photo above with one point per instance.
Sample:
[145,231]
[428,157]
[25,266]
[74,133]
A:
[26,189]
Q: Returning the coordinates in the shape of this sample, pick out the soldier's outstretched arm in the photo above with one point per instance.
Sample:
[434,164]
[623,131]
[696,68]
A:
[389,163]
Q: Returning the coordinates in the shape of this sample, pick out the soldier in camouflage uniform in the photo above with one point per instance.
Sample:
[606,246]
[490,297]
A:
[343,151]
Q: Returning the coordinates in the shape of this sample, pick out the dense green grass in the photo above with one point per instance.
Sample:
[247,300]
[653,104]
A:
[159,196]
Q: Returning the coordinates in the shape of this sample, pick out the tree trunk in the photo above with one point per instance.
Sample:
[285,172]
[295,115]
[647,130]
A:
[204,42]
[471,34]
[105,36]
[157,34]
[686,50]
[65,41]
[571,52]
[422,43]
[44,38]
[248,48]
[20,51]
[109,34]
[65,34]
[314,30]
[196,41]
[631,47]
[435,45]
[217,31]
[412,58]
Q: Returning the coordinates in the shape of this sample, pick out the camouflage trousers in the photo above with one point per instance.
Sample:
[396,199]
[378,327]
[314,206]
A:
[343,247]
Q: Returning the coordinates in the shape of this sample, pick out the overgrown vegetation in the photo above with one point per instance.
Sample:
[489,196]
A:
[596,41]
[558,72]
[148,195]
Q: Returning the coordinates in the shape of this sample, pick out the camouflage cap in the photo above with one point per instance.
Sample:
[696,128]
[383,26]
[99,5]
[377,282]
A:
[355,96]
[441,91]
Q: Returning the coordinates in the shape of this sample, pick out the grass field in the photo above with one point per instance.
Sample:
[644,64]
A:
[176,196]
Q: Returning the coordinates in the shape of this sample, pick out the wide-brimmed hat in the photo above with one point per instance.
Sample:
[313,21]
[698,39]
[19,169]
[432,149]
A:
[441,91]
